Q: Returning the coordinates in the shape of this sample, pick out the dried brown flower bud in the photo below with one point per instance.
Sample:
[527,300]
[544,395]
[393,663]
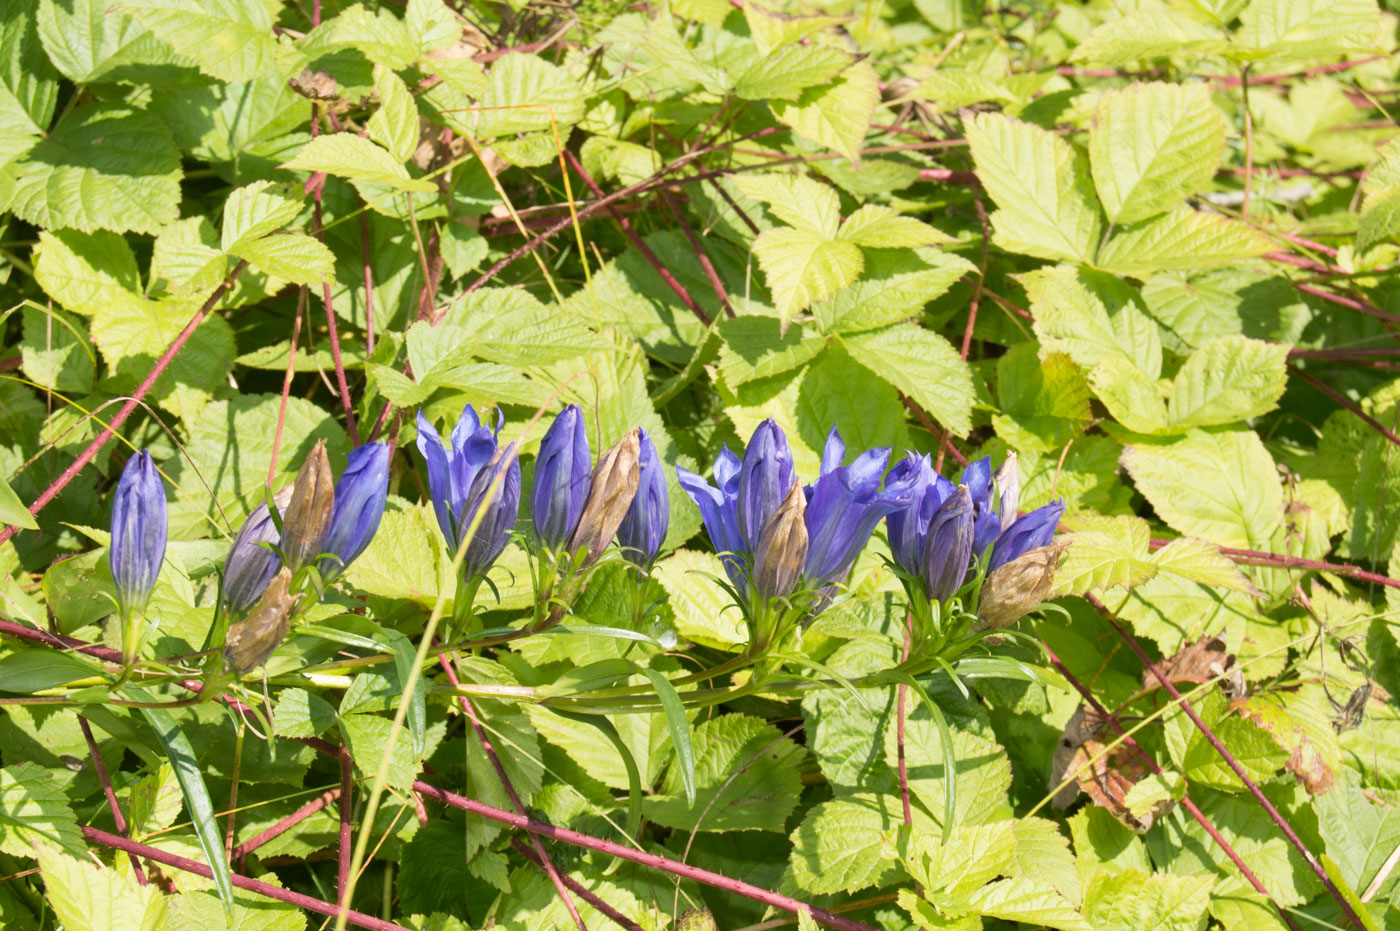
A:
[782,549]
[1015,589]
[252,640]
[615,481]
[307,519]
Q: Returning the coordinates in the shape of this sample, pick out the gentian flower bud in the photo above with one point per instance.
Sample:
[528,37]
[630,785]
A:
[250,567]
[948,548]
[644,526]
[977,476]
[782,549]
[614,487]
[764,480]
[718,510]
[138,532]
[359,506]
[562,479]
[496,489]
[908,526]
[845,506]
[1008,483]
[1032,531]
[1017,587]
[307,519]
[251,641]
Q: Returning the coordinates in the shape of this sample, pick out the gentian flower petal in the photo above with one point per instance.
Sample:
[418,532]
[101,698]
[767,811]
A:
[845,507]
[948,548]
[497,490]
[439,482]
[250,567]
[834,453]
[360,494]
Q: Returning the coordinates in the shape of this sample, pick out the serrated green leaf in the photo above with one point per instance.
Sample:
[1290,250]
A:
[1228,379]
[105,166]
[87,41]
[1044,402]
[255,210]
[395,124]
[88,897]
[755,347]
[230,40]
[1151,32]
[1132,899]
[525,93]
[788,72]
[921,364]
[895,286]
[1151,145]
[843,845]
[1045,203]
[301,714]
[802,267]
[294,257]
[1029,901]
[1104,553]
[797,200]
[951,88]
[1308,28]
[355,158]
[704,613]
[1220,485]
[1092,316]
[1180,239]
[1133,399]
[877,227]
[33,810]
[836,116]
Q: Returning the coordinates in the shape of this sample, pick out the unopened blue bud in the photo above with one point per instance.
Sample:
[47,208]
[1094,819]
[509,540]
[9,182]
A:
[496,494]
[138,532]
[359,505]
[908,526]
[948,549]
[250,567]
[562,480]
[764,480]
[1027,533]
[644,527]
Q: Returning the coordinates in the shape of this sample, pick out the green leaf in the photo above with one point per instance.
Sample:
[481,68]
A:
[294,257]
[1220,485]
[38,668]
[301,714]
[1044,402]
[1092,316]
[1133,399]
[524,94]
[82,271]
[354,158]
[797,200]
[367,736]
[1028,901]
[951,88]
[1252,747]
[13,511]
[704,611]
[755,347]
[836,116]
[395,124]
[1107,552]
[835,389]
[88,897]
[34,810]
[1150,32]
[87,41]
[679,726]
[463,249]
[842,845]
[182,759]
[1360,836]
[230,40]
[1180,239]
[1132,899]
[790,71]
[199,911]
[1228,379]
[894,286]
[877,227]
[802,267]
[28,83]
[1151,145]
[1045,203]
[921,364]
[747,779]
[104,166]
[1305,29]
[254,210]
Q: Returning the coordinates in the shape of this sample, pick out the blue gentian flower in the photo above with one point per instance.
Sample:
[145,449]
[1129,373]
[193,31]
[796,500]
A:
[764,479]
[908,526]
[718,505]
[563,471]
[948,548]
[977,476]
[1026,533]
[644,526]
[360,494]
[138,532]
[843,508]
[459,480]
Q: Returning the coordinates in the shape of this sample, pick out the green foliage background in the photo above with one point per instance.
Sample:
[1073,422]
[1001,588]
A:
[1149,248]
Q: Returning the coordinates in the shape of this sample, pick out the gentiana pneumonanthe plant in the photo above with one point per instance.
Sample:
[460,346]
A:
[966,558]
[278,566]
[138,547]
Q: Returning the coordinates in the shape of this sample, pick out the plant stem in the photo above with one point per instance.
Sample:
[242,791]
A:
[101,769]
